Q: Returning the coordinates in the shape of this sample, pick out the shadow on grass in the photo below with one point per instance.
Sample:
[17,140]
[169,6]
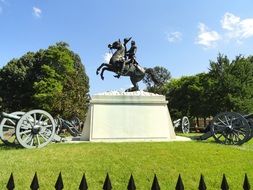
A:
[197,138]
[9,147]
[203,138]
[211,140]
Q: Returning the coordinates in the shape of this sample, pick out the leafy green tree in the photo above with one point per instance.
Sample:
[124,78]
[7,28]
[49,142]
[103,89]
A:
[228,86]
[53,79]
[231,84]
[204,109]
[183,96]
[15,85]
[175,104]
[162,75]
[220,75]
[189,96]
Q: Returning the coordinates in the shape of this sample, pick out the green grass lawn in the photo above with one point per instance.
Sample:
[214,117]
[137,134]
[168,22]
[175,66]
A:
[143,160]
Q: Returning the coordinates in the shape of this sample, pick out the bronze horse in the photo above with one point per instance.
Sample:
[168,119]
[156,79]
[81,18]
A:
[120,66]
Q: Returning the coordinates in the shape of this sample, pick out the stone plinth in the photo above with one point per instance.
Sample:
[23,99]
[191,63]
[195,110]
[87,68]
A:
[128,116]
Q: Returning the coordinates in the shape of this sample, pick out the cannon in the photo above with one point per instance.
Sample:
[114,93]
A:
[184,123]
[74,126]
[230,128]
[33,129]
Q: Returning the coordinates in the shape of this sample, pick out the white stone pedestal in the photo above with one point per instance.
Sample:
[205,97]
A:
[128,116]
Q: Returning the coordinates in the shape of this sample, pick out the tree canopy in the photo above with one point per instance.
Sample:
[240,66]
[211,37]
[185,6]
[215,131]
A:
[189,96]
[52,79]
[162,75]
[232,84]
[227,86]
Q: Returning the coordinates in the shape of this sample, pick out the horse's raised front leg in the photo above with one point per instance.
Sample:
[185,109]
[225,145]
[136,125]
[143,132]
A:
[102,65]
[103,70]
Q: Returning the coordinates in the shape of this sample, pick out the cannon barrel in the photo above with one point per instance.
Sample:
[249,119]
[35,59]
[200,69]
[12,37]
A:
[248,116]
[10,116]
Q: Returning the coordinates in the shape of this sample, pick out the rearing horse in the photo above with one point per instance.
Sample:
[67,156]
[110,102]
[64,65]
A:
[120,66]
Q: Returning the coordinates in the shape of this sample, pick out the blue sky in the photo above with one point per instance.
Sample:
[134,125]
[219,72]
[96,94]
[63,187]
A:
[180,35]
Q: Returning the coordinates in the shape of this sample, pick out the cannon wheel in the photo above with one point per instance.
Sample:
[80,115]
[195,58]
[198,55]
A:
[185,125]
[35,129]
[250,122]
[230,128]
[7,129]
[58,125]
[75,121]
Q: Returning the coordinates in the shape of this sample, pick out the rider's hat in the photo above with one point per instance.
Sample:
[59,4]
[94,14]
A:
[133,42]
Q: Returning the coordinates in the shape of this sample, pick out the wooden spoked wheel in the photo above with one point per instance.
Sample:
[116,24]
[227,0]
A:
[7,129]
[230,128]
[185,125]
[35,129]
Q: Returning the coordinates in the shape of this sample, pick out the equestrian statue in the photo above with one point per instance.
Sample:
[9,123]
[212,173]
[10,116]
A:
[123,63]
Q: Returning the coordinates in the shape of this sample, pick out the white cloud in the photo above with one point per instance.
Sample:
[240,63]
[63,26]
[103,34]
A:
[247,28]
[232,28]
[107,57]
[229,21]
[207,37]
[37,12]
[174,36]
[235,28]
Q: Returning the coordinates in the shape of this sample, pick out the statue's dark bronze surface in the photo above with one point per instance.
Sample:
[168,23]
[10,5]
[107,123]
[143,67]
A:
[123,63]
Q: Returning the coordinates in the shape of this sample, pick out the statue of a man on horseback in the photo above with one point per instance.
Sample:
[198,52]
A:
[123,63]
[129,56]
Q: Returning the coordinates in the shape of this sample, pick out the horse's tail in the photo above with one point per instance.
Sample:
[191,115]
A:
[150,72]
